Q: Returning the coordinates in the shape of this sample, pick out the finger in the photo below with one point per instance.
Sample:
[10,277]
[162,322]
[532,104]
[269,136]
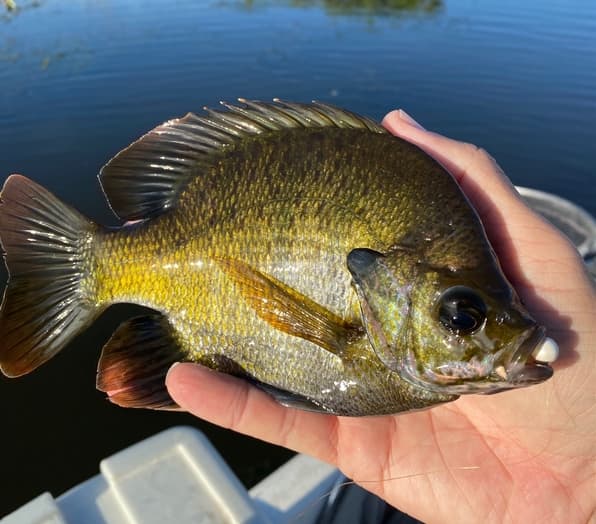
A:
[233,403]
[457,156]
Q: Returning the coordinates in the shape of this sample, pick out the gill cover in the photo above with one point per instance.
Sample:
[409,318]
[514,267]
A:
[384,294]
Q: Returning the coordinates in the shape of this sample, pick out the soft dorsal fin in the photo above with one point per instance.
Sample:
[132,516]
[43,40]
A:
[147,177]
[289,310]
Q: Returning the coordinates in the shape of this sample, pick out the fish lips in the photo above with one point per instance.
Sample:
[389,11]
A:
[522,369]
[514,367]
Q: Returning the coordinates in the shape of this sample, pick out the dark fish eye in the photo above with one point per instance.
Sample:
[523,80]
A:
[461,310]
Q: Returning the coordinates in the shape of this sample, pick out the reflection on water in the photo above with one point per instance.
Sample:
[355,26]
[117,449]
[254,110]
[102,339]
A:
[13,8]
[361,7]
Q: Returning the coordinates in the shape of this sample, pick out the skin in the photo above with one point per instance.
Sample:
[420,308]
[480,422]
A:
[520,456]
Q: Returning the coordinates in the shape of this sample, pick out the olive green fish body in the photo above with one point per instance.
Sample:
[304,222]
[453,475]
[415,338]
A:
[294,217]
[286,244]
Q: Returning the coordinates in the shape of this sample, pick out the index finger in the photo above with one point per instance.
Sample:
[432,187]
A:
[233,403]
[512,227]
[474,169]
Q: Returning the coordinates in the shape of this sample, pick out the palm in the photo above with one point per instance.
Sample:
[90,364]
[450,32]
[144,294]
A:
[499,457]
[526,455]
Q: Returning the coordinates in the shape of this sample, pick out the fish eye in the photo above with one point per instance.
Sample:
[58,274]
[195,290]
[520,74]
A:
[461,310]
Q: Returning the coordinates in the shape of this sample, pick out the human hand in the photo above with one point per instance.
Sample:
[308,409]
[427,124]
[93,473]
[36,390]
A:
[522,456]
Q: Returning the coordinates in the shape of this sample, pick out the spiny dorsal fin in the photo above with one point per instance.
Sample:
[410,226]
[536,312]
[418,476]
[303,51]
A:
[288,310]
[147,177]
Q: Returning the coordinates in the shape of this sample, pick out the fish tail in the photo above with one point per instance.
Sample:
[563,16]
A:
[47,249]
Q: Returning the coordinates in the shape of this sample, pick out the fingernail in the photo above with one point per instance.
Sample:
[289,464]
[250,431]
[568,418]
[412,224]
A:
[407,118]
[171,368]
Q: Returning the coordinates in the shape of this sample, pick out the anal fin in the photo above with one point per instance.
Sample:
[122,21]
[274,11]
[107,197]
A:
[134,363]
[290,311]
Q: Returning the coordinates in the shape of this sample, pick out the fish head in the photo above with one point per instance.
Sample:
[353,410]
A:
[450,331]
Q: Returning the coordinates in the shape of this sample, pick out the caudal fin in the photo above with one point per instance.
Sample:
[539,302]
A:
[46,248]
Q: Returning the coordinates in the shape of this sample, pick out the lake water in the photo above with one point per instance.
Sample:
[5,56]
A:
[81,79]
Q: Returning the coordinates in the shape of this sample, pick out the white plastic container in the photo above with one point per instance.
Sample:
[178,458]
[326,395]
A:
[177,476]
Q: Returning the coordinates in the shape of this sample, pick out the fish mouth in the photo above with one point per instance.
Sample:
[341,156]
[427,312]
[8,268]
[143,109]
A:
[512,367]
[522,369]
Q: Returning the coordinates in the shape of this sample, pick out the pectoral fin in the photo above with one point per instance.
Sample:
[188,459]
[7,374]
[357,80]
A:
[289,310]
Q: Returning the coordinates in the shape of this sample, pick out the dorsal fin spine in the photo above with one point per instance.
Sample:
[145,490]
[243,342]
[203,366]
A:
[256,115]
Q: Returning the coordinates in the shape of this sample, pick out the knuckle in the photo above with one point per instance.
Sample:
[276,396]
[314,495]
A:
[237,409]
[480,157]
[476,151]
[287,427]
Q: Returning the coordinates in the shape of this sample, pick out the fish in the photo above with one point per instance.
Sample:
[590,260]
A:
[298,246]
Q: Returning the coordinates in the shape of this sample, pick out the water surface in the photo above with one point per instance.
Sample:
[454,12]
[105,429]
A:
[81,79]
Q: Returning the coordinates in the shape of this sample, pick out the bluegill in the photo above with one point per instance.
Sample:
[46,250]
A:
[299,246]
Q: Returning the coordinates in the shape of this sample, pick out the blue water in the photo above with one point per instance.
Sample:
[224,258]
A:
[81,79]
